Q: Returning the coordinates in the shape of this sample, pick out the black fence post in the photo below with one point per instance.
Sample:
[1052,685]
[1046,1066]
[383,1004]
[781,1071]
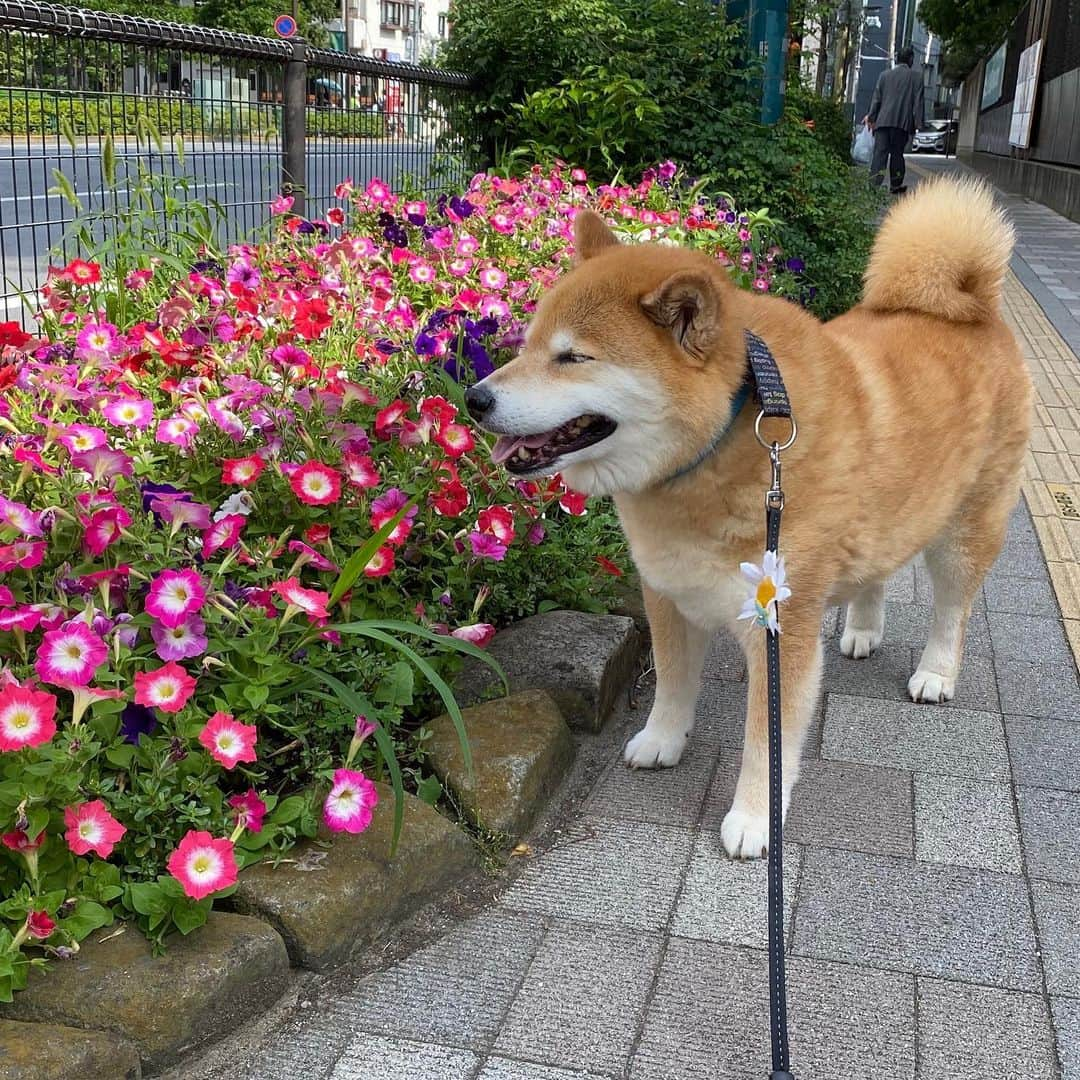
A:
[294,127]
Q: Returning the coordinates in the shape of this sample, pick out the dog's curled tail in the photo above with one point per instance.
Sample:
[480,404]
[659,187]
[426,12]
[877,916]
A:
[943,250]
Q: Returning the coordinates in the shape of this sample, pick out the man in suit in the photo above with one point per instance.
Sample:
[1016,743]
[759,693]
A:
[896,113]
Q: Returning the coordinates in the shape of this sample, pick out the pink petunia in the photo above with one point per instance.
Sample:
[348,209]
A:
[175,595]
[20,517]
[573,502]
[101,463]
[497,521]
[224,533]
[487,547]
[386,507]
[90,827]
[228,741]
[243,472]
[129,412]
[7,597]
[98,341]
[455,439]
[38,925]
[310,601]
[103,528]
[281,204]
[22,555]
[178,430]
[381,563]
[316,484]
[203,864]
[360,470]
[311,557]
[27,717]
[250,810]
[70,655]
[351,802]
[479,633]
[167,688]
[183,642]
[78,438]
[180,509]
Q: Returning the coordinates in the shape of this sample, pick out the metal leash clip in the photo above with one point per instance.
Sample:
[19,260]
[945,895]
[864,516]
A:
[774,497]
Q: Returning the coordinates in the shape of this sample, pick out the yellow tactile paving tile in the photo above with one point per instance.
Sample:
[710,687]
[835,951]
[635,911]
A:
[1052,466]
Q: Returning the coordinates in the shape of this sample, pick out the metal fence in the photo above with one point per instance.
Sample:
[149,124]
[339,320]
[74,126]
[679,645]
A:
[93,106]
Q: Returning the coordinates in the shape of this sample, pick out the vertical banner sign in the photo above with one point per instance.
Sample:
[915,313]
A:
[1027,90]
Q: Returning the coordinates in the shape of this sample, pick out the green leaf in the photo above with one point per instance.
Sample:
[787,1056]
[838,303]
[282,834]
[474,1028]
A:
[108,161]
[430,790]
[396,687]
[147,898]
[256,695]
[120,756]
[38,820]
[288,810]
[86,918]
[190,914]
[364,554]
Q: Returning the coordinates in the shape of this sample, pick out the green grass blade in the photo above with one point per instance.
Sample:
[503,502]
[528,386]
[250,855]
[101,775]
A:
[363,555]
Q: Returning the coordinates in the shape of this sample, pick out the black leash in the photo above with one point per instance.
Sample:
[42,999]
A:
[772,395]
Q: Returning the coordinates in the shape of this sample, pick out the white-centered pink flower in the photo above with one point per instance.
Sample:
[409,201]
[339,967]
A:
[203,864]
[175,595]
[27,717]
[90,827]
[70,655]
[351,802]
[229,742]
[129,412]
[167,688]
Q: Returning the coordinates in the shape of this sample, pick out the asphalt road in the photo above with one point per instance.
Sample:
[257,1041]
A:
[243,177]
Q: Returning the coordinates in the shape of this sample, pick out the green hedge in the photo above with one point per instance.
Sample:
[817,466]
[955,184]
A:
[37,112]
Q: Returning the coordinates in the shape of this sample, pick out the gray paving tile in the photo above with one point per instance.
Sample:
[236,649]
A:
[1044,753]
[963,822]
[1021,596]
[1039,689]
[501,1068]
[946,921]
[606,872]
[839,804]
[454,991]
[901,586]
[580,1002]
[1057,914]
[884,674]
[1050,823]
[709,1018]
[725,659]
[1036,638]
[968,1031]
[374,1057]
[725,900]
[923,738]
[1067,1025]
[721,711]
[909,624]
[1022,558]
[976,685]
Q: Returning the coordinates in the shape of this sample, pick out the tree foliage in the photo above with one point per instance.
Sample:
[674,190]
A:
[969,29]
[257,16]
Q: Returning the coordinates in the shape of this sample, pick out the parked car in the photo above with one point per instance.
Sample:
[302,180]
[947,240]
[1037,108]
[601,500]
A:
[938,137]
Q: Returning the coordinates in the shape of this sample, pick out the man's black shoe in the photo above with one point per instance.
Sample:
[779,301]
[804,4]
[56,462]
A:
[898,190]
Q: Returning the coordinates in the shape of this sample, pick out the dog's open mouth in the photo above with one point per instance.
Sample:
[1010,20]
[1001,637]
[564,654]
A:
[526,453]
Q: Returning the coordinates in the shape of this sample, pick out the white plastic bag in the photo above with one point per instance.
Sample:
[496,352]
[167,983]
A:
[862,149]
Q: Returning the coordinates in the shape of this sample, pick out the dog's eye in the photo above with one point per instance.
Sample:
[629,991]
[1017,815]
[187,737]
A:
[569,357]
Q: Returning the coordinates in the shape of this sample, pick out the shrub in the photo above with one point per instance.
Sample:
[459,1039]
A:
[245,530]
[684,90]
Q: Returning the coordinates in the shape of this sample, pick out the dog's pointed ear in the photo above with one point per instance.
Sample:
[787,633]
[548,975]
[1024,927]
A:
[591,235]
[688,305]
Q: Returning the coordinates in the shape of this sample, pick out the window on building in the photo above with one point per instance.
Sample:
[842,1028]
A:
[392,13]
[442,26]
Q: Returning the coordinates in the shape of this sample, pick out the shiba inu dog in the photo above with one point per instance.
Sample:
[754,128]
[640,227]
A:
[913,411]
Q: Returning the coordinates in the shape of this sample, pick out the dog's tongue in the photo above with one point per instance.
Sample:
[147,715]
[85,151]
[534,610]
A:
[506,446]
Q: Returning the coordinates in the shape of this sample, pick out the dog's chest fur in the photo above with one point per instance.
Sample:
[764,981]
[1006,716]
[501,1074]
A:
[698,575]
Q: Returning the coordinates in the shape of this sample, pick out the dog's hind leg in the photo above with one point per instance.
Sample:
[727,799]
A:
[745,830]
[864,623]
[958,561]
[679,654]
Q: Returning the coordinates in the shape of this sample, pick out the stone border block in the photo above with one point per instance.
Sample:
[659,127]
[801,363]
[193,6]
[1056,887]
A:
[55,1052]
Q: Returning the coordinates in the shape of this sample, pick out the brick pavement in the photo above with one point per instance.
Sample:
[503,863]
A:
[933,873]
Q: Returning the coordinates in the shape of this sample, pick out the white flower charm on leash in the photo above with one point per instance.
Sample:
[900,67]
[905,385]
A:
[769,588]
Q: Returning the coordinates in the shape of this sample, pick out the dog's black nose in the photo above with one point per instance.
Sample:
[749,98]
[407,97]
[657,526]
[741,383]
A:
[479,400]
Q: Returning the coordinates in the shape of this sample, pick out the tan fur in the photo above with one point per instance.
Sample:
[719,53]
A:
[913,412]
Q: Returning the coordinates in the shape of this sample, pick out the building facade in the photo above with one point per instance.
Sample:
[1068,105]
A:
[407,30]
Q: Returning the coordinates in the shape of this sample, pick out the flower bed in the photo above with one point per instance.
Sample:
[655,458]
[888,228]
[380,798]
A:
[246,530]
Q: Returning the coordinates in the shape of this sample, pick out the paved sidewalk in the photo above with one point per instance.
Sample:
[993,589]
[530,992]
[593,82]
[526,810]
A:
[933,879]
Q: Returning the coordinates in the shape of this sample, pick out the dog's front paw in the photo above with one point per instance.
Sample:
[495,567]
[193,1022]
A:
[655,750]
[744,835]
[859,644]
[931,687]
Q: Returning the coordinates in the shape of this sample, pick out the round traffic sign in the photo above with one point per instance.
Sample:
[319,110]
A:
[285,26]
